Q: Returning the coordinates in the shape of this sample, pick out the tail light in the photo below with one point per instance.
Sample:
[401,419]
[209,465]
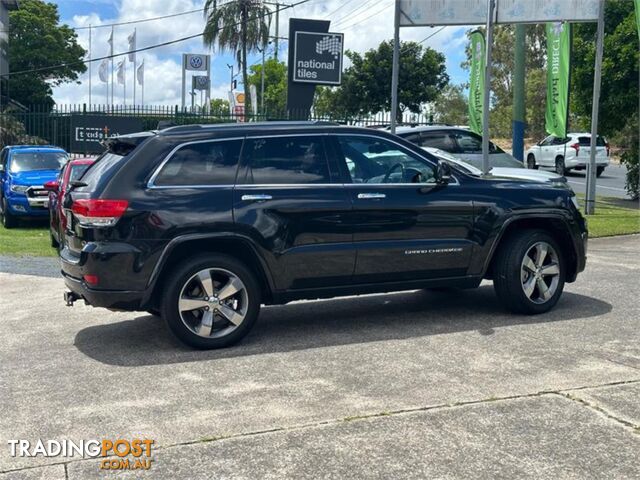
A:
[576,147]
[606,145]
[98,212]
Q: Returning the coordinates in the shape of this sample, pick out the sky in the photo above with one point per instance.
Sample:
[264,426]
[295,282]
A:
[365,23]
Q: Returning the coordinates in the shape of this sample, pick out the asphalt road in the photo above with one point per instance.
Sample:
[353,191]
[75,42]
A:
[610,184]
[406,385]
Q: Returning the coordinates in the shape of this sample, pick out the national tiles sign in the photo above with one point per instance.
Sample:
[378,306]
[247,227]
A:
[317,58]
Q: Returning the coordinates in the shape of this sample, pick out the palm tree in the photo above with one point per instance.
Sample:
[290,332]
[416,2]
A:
[238,26]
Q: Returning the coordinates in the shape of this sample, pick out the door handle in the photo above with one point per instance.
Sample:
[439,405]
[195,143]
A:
[257,197]
[371,195]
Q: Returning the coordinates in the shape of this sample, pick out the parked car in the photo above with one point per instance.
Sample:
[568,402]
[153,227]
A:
[73,170]
[23,172]
[205,223]
[570,153]
[466,146]
[519,173]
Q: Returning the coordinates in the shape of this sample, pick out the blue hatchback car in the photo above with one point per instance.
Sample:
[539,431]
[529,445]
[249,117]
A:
[24,170]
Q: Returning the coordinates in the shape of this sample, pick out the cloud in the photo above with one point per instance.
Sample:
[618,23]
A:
[365,24]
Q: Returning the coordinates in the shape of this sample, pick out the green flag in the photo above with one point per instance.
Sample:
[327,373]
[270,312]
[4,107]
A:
[558,60]
[476,85]
[637,2]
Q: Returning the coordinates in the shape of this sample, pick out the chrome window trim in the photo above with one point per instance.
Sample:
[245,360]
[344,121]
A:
[151,183]
[153,186]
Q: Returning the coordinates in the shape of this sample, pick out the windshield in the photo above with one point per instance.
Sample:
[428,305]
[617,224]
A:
[28,162]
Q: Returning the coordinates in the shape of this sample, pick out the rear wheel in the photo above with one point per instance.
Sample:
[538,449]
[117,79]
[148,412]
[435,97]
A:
[8,220]
[599,171]
[211,301]
[560,166]
[531,162]
[54,242]
[529,272]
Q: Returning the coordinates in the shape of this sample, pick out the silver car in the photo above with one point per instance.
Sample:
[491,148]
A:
[466,146]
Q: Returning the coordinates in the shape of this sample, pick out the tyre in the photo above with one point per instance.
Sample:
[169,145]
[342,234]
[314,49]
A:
[531,162]
[599,171]
[8,220]
[529,272]
[54,242]
[211,301]
[560,168]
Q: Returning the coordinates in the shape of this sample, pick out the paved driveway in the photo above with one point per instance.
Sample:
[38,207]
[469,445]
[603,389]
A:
[413,384]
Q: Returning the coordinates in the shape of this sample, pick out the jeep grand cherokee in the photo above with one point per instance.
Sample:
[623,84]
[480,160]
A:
[202,224]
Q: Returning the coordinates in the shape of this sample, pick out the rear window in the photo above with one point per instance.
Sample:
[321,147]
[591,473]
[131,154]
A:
[586,141]
[207,163]
[105,163]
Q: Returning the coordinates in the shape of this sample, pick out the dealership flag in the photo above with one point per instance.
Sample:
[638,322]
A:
[103,71]
[637,2]
[120,73]
[476,88]
[558,64]
[132,46]
[140,73]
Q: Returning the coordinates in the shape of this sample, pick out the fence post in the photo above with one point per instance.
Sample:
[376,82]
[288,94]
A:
[84,137]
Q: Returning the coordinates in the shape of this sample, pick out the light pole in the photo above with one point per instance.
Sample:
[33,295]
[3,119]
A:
[231,79]
[262,50]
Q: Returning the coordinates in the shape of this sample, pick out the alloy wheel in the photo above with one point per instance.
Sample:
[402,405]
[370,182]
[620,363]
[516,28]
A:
[213,303]
[540,272]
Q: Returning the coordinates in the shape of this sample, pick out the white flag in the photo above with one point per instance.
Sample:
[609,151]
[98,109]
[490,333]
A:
[120,73]
[103,71]
[132,46]
[140,73]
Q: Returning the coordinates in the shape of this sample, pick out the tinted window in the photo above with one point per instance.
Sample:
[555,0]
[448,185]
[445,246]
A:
[286,160]
[441,140]
[375,160]
[586,141]
[27,162]
[103,164]
[547,141]
[208,163]
[468,142]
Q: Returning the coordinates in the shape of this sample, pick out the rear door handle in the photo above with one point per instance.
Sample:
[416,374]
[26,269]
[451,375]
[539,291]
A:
[257,197]
[371,195]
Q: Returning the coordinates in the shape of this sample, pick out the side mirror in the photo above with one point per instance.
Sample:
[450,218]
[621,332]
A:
[443,173]
[52,186]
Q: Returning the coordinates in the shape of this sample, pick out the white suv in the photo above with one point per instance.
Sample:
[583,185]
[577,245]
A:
[570,153]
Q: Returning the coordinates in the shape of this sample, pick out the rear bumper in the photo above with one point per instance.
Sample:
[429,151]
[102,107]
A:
[583,163]
[114,299]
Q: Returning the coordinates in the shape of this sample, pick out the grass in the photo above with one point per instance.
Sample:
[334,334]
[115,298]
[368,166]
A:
[26,240]
[613,217]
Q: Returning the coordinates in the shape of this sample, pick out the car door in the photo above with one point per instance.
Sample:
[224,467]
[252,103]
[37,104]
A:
[291,202]
[546,157]
[405,225]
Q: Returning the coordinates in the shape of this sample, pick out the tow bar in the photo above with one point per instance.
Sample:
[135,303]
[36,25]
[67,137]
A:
[70,297]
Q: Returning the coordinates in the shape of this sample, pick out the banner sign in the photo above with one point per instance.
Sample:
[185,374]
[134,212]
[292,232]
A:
[558,63]
[195,62]
[87,131]
[474,12]
[476,83]
[318,58]
[637,2]
[200,82]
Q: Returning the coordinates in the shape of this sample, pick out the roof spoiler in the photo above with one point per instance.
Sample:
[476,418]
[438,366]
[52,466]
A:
[125,144]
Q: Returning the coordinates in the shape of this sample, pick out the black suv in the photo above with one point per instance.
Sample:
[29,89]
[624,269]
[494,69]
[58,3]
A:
[203,224]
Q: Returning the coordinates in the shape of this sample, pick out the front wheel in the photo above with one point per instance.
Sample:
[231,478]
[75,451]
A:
[211,301]
[8,220]
[531,162]
[529,272]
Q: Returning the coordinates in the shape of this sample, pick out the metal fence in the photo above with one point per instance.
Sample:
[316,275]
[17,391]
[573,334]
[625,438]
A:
[39,124]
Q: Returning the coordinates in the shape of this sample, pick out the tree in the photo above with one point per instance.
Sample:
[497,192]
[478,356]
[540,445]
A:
[451,106]
[366,83]
[240,27]
[219,106]
[275,85]
[37,40]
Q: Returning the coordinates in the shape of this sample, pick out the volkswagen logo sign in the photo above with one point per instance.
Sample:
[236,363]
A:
[195,62]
